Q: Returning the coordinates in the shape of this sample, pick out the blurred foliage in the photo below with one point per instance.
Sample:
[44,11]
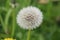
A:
[49,30]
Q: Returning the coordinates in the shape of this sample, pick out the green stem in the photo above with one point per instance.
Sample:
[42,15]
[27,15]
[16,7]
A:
[13,23]
[28,35]
[7,16]
[7,19]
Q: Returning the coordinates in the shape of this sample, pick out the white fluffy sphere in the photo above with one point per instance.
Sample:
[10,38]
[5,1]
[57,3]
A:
[29,17]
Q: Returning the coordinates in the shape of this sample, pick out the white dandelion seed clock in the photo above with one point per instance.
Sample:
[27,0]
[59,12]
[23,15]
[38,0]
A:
[29,18]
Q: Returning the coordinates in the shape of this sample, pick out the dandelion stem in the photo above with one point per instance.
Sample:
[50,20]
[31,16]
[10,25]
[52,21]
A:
[28,35]
[13,23]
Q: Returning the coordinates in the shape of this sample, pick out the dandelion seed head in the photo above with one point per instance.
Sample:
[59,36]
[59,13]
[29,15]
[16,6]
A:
[29,17]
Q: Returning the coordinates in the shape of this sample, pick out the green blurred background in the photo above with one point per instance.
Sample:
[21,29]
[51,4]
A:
[49,30]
